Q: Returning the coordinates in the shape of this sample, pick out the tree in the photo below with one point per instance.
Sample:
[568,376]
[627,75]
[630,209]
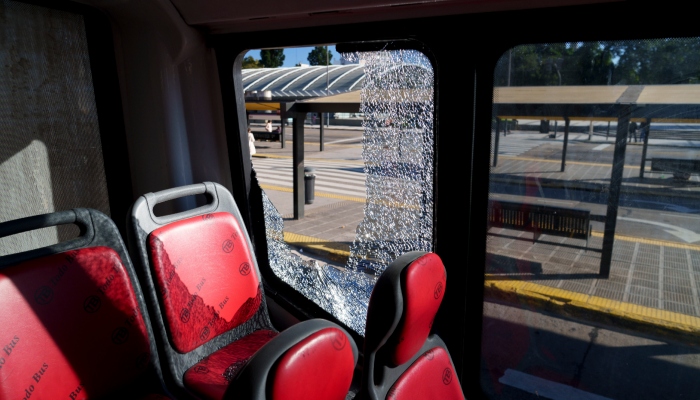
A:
[272,58]
[250,62]
[317,56]
[633,62]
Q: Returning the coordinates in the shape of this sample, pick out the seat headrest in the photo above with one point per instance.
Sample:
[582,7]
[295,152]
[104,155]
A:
[415,284]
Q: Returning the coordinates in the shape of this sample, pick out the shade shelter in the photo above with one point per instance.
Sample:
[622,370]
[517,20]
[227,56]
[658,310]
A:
[345,102]
[649,104]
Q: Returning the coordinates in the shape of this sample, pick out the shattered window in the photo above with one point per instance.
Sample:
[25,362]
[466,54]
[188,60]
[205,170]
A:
[398,156]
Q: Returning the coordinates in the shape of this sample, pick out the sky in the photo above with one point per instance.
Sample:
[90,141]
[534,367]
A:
[294,55]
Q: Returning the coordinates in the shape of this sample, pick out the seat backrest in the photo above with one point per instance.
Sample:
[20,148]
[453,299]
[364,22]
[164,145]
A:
[74,323]
[199,273]
[402,359]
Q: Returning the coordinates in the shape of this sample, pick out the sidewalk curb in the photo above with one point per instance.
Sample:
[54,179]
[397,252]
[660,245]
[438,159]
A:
[654,322]
[615,313]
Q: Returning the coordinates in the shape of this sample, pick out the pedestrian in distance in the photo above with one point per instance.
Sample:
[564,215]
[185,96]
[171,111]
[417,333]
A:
[632,132]
[268,125]
[251,142]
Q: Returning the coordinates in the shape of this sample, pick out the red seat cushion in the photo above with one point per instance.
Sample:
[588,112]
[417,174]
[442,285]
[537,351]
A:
[211,376]
[425,281]
[430,377]
[206,277]
[71,327]
[320,367]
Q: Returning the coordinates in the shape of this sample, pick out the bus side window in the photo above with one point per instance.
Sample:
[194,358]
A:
[396,196]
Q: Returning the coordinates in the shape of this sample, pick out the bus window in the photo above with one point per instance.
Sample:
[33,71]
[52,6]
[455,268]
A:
[593,236]
[394,164]
[50,147]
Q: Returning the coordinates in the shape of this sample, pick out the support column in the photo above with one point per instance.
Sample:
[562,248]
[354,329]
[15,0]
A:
[614,190]
[567,122]
[495,144]
[647,128]
[283,118]
[298,164]
[607,133]
[320,135]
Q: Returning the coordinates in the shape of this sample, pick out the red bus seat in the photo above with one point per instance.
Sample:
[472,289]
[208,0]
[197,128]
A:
[207,302]
[402,359]
[73,322]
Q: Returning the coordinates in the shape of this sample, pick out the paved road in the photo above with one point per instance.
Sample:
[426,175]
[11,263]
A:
[514,145]
[647,216]
[341,178]
[533,355]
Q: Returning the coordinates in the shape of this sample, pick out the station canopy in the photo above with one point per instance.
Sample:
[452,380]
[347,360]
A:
[678,103]
[299,83]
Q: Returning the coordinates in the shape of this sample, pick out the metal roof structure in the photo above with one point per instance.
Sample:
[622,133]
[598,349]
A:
[298,83]
[656,102]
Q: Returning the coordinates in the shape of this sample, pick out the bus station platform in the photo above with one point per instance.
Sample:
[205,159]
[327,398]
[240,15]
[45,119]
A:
[654,281]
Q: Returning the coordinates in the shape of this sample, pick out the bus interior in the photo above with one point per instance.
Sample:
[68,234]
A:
[546,153]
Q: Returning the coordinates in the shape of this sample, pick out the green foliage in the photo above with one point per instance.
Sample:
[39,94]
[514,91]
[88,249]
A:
[649,62]
[272,58]
[317,56]
[250,62]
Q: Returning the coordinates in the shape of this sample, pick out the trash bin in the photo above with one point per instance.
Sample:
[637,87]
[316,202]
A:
[544,126]
[309,185]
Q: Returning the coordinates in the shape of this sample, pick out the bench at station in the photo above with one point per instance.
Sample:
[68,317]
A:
[539,219]
[265,135]
[681,168]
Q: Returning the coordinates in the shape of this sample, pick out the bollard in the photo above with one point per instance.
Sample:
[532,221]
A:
[309,185]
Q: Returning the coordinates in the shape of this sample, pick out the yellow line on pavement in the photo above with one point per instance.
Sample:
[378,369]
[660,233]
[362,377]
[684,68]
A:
[335,250]
[545,297]
[656,242]
[270,156]
[542,296]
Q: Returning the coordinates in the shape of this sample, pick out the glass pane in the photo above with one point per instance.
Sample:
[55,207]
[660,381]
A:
[392,160]
[593,228]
